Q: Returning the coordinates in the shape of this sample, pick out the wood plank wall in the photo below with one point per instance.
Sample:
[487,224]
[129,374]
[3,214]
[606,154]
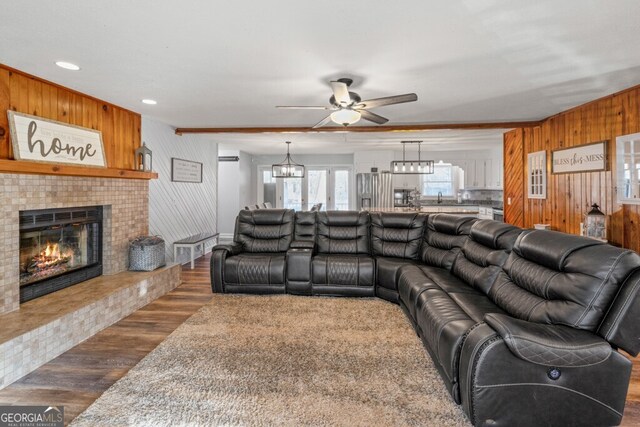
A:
[570,195]
[514,184]
[28,94]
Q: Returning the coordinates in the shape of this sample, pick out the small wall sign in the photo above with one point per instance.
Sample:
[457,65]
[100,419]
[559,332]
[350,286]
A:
[185,170]
[583,158]
[43,140]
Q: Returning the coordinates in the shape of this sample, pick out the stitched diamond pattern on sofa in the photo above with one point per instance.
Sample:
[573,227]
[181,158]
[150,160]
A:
[342,233]
[342,271]
[547,356]
[395,234]
[254,270]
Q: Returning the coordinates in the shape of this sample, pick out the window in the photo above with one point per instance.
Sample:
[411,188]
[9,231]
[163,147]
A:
[537,176]
[341,189]
[628,168]
[440,181]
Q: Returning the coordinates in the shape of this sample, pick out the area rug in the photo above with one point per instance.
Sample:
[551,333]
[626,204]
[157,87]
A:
[283,360]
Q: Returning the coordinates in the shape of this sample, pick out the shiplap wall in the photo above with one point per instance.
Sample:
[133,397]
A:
[177,209]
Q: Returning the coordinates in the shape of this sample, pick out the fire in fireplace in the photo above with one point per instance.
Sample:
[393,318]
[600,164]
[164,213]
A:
[58,248]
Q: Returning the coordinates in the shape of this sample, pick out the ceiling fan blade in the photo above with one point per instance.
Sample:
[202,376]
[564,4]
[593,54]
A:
[389,100]
[341,93]
[372,117]
[322,122]
[301,107]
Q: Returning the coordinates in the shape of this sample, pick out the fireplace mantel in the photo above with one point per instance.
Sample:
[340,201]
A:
[35,168]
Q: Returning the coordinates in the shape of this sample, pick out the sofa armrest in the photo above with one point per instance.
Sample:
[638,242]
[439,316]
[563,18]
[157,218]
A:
[232,248]
[549,345]
[299,271]
[302,244]
[219,254]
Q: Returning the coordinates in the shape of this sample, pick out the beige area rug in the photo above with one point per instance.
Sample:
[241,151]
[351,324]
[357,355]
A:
[283,360]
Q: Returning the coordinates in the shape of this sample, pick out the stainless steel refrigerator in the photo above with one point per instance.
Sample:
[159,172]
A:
[374,190]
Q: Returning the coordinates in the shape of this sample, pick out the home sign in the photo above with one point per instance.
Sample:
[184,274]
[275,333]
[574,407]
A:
[582,158]
[43,140]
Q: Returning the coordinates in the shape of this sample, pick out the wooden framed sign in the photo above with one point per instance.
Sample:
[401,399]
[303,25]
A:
[43,140]
[583,158]
[185,170]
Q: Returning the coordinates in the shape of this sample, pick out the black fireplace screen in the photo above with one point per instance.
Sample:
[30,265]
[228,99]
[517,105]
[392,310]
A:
[58,248]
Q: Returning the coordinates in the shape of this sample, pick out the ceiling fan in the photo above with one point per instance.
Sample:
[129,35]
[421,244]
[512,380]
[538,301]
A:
[348,108]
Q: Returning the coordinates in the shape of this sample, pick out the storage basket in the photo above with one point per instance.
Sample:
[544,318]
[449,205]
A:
[146,253]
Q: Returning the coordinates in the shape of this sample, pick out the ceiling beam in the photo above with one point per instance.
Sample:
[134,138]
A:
[353,129]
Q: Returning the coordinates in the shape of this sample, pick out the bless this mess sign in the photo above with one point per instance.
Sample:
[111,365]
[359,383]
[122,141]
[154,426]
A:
[42,140]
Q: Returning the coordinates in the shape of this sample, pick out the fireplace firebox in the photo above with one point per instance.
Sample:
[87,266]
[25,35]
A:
[58,248]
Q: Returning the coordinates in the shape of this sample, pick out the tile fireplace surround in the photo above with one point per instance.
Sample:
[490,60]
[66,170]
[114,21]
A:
[126,215]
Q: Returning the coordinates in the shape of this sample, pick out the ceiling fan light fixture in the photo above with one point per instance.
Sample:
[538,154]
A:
[345,116]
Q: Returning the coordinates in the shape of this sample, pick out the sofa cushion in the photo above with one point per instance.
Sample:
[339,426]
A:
[387,270]
[255,269]
[571,282]
[305,229]
[415,279]
[446,281]
[345,270]
[343,232]
[494,234]
[484,253]
[397,235]
[265,230]
[411,282]
[443,325]
[444,234]
[475,305]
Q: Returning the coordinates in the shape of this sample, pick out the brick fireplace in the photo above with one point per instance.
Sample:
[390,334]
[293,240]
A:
[125,215]
[39,330]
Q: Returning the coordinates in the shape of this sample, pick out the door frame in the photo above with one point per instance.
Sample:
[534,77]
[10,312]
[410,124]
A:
[330,184]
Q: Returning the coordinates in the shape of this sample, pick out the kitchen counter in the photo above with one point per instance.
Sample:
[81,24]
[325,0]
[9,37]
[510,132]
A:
[458,210]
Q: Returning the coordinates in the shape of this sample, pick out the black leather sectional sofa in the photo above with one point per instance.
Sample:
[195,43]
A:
[524,326]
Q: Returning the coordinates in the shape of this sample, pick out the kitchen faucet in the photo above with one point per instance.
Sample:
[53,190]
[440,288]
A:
[439,196]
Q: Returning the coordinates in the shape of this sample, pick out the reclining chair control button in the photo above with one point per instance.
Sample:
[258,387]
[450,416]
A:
[554,373]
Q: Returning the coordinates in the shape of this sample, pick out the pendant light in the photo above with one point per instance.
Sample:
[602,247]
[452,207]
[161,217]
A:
[288,168]
[412,167]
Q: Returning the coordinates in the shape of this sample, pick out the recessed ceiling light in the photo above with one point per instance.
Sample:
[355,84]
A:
[149,101]
[67,65]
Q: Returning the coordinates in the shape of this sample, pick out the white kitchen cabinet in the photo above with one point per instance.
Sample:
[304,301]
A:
[406,181]
[488,175]
[480,173]
[469,168]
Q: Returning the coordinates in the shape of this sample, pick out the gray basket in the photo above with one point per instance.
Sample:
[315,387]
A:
[146,253]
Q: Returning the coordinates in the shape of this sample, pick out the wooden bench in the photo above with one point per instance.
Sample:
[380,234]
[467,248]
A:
[191,243]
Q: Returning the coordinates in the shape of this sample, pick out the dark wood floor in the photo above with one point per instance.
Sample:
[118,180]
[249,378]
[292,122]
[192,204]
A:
[78,377]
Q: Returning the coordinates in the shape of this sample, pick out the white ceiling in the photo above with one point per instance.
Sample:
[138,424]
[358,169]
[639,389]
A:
[228,63]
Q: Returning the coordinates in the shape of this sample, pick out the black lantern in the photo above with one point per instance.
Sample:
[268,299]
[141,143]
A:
[595,223]
[144,159]
[287,168]
[412,167]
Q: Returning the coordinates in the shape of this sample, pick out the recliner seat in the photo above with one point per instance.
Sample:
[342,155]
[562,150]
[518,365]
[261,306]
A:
[395,242]
[342,264]
[255,262]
